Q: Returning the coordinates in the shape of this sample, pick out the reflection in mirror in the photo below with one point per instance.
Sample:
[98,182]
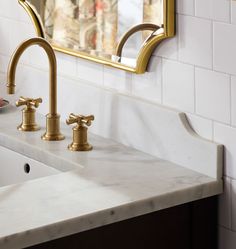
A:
[111,30]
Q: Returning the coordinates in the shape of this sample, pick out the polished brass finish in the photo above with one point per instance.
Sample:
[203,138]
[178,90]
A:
[80,142]
[53,124]
[34,18]
[28,113]
[137,28]
[144,53]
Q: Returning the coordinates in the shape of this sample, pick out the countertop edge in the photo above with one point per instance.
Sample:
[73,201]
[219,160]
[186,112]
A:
[115,214]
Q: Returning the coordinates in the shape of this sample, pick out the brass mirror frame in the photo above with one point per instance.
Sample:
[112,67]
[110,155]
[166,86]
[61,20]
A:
[144,53]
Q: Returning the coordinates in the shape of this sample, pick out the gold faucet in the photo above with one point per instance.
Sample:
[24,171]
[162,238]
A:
[53,118]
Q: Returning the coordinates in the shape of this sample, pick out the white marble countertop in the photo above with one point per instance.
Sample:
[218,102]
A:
[106,185]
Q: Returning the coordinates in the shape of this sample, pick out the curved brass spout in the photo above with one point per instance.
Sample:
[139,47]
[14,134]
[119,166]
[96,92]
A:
[53,119]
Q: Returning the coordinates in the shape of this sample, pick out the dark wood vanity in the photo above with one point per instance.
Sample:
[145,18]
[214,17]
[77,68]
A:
[188,226]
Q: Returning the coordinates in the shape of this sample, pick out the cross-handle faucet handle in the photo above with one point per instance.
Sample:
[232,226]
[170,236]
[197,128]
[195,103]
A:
[80,142]
[29,102]
[80,119]
[28,113]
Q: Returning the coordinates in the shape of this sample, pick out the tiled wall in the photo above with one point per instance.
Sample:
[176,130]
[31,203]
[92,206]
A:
[194,72]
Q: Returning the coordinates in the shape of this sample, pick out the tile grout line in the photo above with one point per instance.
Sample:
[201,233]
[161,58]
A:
[206,19]
[197,66]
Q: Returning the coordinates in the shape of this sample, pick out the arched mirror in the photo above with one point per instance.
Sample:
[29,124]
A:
[117,33]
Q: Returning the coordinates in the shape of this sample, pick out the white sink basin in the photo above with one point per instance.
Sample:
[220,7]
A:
[16,168]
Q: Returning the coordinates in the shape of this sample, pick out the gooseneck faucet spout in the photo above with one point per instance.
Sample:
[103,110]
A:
[53,118]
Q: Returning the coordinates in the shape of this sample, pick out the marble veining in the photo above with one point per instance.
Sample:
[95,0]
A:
[109,184]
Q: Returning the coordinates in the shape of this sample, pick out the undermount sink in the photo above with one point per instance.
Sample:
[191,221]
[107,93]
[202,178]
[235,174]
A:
[16,168]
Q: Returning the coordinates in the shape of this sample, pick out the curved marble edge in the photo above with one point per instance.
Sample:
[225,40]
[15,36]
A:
[160,131]
[215,169]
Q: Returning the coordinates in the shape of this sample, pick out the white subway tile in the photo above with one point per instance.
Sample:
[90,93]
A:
[90,71]
[9,9]
[67,64]
[226,135]
[213,95]
[149,85]
[233,100]
[203,127]
[227,239]
[35,56]
[4,60]
[185,7]
[32,83]
[5,24]
[204,8]
[5,8]
[168,48]
[20,32]
[195,41]
[218,10]
[224,48]
[178,85]
[79,105]
[118,80]
[23,16]
[221,10]
[224,214]
[3,85]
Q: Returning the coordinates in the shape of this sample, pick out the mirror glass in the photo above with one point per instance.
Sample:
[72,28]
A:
[96,27]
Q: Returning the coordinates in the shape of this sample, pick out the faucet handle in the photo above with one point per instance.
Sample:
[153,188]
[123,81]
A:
[80,142]
[81,120]
[29,102]
[28,113]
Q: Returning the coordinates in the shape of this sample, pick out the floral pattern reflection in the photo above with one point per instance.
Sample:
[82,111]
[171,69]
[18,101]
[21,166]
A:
[91,25]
